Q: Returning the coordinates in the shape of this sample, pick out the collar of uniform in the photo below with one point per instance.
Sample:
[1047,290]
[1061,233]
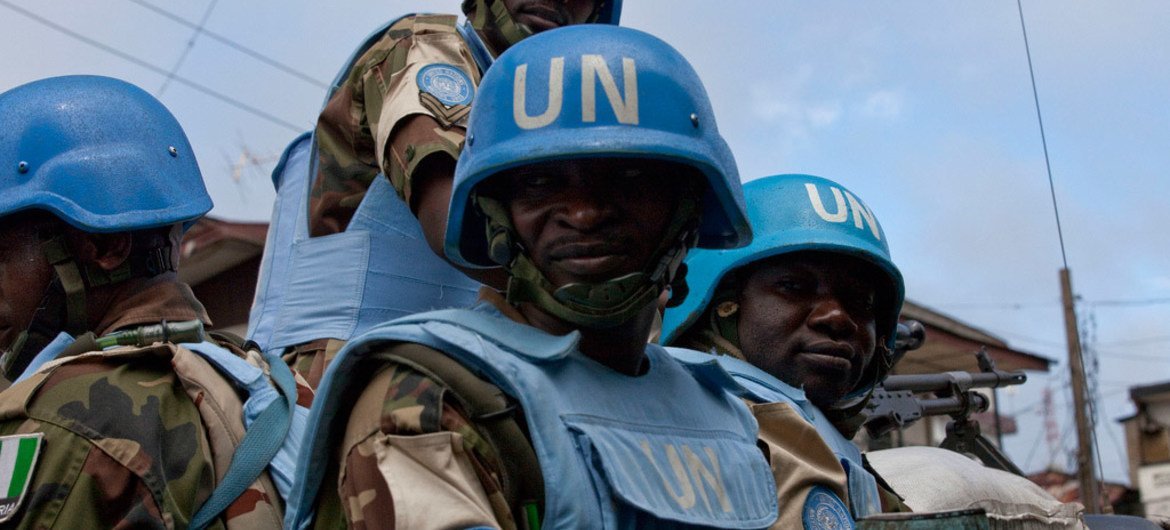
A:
[493,320]
[150,301]
[499,301]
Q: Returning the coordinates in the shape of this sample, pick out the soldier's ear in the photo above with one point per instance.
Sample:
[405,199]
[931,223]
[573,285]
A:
[105,251]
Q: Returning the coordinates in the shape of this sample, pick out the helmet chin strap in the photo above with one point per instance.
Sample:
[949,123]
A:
[48,320]
[492,17]
[63,307]
[598,305]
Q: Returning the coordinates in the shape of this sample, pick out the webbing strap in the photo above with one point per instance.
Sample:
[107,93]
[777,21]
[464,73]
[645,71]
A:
[479,50]
[261,443]
[494,416]
[57,254]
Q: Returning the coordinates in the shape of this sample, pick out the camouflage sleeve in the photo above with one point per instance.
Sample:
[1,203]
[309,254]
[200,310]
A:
[403,412]
[122,446]
[308,362]
[382,120]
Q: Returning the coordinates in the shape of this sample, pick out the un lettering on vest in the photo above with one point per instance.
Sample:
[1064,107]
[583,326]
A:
[684,475]
[846,204]
[594,68]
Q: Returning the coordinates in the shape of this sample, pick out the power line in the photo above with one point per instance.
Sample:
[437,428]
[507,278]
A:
[1130,303]
[1136,357]
[190,46]
[1136,342]
[996,305]
[235,45]
[131,58]
[1043,138]
[1121,302]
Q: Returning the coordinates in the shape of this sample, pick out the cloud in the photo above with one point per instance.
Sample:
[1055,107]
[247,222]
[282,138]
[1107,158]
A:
[883,104]
[823,115]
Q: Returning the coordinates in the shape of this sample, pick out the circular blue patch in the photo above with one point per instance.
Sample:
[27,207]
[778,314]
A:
[447,83]
[824,510]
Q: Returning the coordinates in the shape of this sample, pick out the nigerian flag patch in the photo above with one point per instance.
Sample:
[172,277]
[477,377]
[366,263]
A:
[18,457]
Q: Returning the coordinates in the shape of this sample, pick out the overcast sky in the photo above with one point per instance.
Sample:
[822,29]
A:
[923,108]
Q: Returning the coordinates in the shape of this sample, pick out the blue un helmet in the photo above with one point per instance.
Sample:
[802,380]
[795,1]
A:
[574,93]
[99,153]
[794,213]
[103,156]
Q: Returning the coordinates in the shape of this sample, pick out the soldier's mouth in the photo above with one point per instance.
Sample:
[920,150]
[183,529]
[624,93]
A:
[540,18]
[828,357]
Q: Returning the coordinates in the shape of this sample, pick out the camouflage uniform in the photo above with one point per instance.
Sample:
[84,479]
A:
[379,121]
[402,402]
[133,436]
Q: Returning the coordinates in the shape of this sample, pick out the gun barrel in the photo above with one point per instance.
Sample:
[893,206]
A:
[972,402]
[953,380]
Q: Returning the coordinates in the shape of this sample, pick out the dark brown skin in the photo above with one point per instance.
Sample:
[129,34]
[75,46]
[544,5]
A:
[25,273]
[433,178]
[808,319]
[431,201]
[540,15]
[24,276]
[543,15]
[590,221]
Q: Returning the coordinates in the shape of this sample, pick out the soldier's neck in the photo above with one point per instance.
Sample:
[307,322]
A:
[621,348]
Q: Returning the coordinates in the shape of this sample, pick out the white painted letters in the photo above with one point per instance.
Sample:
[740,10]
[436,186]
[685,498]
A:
[626,110]
[556,93]
[593,69]
[700,474]
[694,476]
[861,214]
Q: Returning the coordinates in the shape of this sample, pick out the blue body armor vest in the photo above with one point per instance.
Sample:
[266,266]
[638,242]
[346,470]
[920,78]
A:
[666,449]
[761,387]
[340,285]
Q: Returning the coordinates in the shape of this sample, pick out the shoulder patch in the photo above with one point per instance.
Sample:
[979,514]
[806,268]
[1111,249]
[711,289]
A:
[446,83]
[823,510]
[18,459]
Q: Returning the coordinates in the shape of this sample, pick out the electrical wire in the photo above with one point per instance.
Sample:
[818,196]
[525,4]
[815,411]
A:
[187,49]
[1077,353]
[259,56]
[157,69]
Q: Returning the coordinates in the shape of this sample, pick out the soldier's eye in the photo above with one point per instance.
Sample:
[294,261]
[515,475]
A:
[536,181]
[791,284]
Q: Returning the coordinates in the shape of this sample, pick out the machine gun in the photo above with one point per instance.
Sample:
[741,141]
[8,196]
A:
[894,404]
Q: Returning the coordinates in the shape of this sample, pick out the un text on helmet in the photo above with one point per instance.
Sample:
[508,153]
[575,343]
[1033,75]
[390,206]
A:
[861,214]
[593,69]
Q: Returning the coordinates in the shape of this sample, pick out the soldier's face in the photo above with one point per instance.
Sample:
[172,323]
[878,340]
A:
[541,15]
[808,319]
[24,276]
[591,220]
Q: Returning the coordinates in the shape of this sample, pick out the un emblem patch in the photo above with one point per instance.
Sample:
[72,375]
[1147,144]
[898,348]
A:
[446,83]
[823,510]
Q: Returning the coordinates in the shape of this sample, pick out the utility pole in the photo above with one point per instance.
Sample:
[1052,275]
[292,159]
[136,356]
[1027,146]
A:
[1086,470]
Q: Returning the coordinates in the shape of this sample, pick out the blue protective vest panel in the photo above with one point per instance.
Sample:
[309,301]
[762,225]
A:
[761,387]
[261,393]
[340,285]
[667,449]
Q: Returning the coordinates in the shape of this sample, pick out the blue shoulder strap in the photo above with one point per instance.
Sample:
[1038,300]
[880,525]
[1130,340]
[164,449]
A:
[479,52]
[266,435]
[50,352]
